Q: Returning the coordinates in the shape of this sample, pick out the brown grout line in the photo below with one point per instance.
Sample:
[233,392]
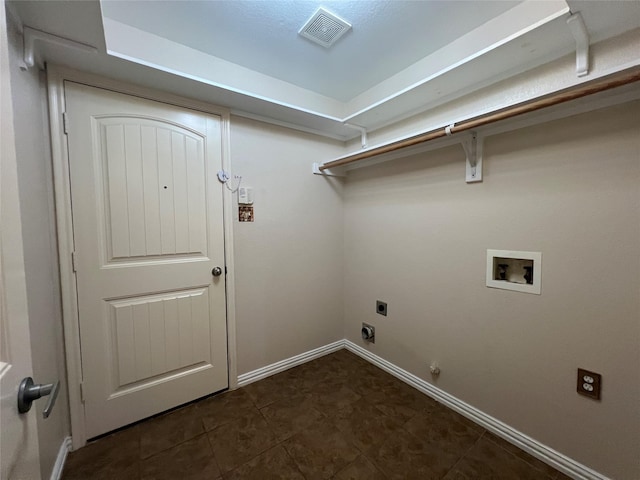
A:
[372,462]
[465,453]
[204,432]
[293,460]
[213,453]
[278,443]
[143,459]
[523,460]
[251,398]
[281,443]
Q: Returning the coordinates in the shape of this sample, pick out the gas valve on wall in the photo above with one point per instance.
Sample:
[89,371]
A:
[368,333]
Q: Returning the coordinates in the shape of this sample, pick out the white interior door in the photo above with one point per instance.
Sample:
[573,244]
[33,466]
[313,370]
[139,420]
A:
[148,231]
[18,432]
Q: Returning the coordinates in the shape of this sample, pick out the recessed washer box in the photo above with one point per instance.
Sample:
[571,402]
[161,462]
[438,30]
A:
[514,270]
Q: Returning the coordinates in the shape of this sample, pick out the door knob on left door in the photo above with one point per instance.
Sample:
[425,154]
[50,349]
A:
[216,272]
[28,392]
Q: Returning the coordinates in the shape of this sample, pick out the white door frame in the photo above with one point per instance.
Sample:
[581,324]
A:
[56,76]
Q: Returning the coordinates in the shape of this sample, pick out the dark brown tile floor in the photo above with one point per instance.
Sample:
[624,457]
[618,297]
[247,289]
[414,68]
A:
[335,417]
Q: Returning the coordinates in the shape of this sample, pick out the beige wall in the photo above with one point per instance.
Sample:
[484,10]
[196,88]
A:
[288,263]
[40,249]
[416,237]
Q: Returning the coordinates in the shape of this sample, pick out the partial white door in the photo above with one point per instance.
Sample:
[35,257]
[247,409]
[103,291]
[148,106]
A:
[148,231]
[18,432]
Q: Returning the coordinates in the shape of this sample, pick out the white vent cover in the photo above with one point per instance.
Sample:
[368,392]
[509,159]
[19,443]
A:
[324,28]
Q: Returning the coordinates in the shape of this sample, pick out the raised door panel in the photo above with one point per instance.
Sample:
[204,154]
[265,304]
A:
[155,336]
[153,183]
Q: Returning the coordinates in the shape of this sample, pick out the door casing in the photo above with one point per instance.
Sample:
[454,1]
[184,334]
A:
[56,76]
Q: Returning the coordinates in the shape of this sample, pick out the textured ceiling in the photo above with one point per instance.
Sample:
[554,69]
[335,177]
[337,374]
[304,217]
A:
[387,36]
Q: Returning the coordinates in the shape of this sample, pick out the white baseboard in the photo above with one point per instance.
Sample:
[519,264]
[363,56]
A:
[287,363]
[56,473]
[542,452]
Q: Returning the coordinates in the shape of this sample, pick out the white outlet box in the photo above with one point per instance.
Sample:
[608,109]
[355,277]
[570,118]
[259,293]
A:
[514,270]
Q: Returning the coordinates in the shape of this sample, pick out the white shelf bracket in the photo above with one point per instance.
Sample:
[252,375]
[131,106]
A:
[473,149]
[31,36]
[362,130]
[581,36]
[326,173]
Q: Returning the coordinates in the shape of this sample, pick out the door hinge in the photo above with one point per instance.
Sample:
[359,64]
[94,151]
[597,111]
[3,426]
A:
[64,123]
[82,392]
[73,261]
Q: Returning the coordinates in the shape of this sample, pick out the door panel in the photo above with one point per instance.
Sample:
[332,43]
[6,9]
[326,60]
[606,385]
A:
[158,334]
[147,214]
[154,184]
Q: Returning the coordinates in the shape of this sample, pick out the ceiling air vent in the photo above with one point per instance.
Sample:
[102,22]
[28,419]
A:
[324,28]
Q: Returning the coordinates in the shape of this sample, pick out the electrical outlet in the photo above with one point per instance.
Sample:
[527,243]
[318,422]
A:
[589,383]
[381,308]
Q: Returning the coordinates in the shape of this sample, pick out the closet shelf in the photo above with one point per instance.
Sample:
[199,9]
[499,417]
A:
[472,141]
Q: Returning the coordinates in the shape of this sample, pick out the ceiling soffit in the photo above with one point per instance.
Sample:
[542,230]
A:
[502,46]
[387,36]
[528,35]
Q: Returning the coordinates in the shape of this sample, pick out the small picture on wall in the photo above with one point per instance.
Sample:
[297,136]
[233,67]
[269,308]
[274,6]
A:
[245,213]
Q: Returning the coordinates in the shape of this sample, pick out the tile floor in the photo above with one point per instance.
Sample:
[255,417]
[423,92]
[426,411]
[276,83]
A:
[336,417]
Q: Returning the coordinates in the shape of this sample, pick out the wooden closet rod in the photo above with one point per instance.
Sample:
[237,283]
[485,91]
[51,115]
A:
[590,88]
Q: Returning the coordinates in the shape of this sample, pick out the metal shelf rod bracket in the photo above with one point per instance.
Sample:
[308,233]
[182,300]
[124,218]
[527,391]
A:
[363,133]
[326,173]
[581,36]
[473,149]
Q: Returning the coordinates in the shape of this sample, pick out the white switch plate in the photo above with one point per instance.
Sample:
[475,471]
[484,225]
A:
[245,195]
